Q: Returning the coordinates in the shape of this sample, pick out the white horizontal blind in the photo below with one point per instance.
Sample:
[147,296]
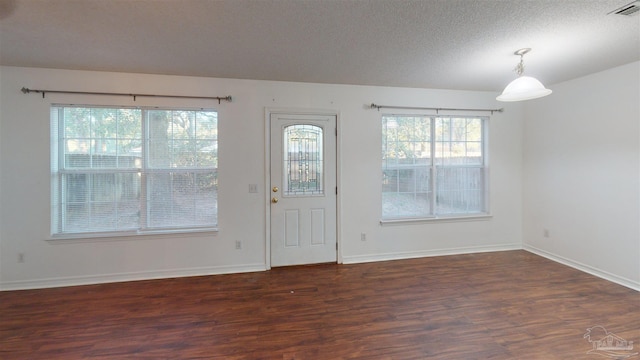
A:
[459,164]
[181,176]
[433,166]
[132,169]
[407,190]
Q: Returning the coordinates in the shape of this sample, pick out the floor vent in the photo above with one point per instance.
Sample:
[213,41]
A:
[627,10]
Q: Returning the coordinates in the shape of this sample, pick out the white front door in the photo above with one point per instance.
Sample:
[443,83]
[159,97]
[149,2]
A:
[303,189]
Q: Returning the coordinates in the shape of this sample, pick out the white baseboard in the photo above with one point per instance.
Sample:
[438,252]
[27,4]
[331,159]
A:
[134,276]
[428,253]
[231,269]
[585,268]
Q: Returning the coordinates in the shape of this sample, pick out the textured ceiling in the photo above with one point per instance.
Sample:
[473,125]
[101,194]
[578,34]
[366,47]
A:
[446,44]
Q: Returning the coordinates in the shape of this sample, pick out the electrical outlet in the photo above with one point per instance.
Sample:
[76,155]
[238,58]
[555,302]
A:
[20,257]
[253,188]
[238,244]
[363,237]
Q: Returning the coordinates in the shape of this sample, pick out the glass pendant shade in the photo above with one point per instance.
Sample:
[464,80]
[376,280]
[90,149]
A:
[523,88]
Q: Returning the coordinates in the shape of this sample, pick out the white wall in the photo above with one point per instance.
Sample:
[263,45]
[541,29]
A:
[25,191]
[582,174]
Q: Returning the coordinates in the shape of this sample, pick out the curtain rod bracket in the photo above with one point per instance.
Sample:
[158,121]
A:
[226,98]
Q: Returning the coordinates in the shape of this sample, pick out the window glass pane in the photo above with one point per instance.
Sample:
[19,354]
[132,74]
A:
[389,143]
[406,193]
[182,199]
[77,142]
[207,135]
[458,141]
[100,202]
[77,153]
[406,205]
[175,139]
[129,123]
[474,130]
[207,125]
[103,123]
[207,153]
[406,188]
[129,153]
[129,144]
[406,180]
[460,190]
[457,151]
[183,135]
[474,153]
[94,138]
[183,124]
[159,142]
[458,129]
[389,180]
[77,122]
[303,160]
[183,153]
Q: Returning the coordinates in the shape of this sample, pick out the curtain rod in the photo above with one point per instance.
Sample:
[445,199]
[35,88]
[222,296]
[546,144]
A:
[375,106]
[43,92]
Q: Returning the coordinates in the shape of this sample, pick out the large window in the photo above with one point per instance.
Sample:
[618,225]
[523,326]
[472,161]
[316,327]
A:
[133,169]
[433,166]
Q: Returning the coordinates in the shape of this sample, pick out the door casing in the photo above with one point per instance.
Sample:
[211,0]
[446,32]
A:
[267,174]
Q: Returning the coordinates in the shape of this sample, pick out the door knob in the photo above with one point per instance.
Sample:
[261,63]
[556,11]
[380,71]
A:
[274,200]
[275,189]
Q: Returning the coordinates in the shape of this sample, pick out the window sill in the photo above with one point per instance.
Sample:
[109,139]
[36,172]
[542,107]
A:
[122,236]
[410,221]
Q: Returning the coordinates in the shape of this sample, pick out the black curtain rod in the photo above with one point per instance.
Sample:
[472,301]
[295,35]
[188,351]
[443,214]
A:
[375,106]
[43,92]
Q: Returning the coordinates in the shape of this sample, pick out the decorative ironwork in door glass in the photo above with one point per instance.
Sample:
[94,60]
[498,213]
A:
[303,160]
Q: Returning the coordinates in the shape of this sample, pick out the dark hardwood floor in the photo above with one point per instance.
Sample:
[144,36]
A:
[502,305]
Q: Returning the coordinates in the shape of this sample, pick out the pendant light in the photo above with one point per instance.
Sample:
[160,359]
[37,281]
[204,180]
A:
[523,87]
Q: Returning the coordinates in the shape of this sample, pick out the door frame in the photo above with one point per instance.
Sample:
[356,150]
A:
[267,174]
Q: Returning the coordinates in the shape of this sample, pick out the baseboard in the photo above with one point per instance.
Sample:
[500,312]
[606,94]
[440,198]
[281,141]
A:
[428,253]
[231,269]
[134,276]
[585,268]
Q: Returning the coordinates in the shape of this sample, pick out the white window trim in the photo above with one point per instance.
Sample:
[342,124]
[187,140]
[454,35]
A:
[436,219]
[125,235]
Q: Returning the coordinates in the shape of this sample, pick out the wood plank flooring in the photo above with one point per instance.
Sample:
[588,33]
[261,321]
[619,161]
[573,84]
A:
[502,305]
